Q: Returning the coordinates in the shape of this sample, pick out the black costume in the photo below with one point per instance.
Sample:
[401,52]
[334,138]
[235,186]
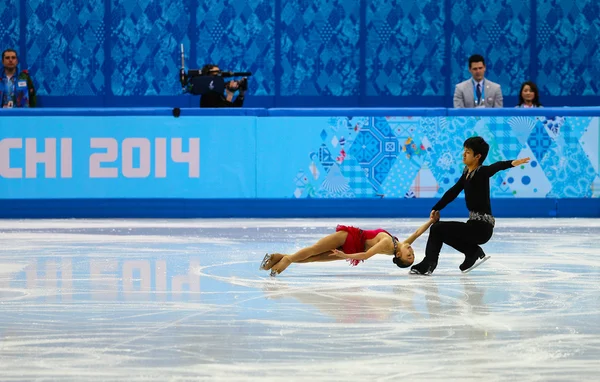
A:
[464,237]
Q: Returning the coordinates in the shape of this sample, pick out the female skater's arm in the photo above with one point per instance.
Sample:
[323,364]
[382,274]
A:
[411,239]
[377,248]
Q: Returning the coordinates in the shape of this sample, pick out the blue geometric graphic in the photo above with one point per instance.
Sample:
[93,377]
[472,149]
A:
[145,46]
[318,50]
[507,143]
[319,47]
[410,157]
[499,31]
[568,47]
[357,178]
[9,25]
[540,142]
[376,148]
[238,35]
[65,50]
[405,48]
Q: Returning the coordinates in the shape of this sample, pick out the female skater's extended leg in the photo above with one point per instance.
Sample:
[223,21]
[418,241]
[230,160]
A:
[327,256]
[326,244]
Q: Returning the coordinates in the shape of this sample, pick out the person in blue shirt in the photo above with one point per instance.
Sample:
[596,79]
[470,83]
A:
[16,87]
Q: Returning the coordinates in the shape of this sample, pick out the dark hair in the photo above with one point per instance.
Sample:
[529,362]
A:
[10,50]
[534,89]
[476,58]
[479,146]
[400,263]
[207,68]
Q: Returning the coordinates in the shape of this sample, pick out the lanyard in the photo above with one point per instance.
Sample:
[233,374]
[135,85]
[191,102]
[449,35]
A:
[478,102]
[10,84]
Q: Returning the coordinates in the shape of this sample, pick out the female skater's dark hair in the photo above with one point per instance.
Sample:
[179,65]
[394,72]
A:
[479,146]
[402,264]
[398,261]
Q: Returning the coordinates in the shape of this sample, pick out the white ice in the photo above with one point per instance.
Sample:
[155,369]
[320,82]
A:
[137,300]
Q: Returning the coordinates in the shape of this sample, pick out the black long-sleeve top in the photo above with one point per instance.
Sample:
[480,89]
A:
[476,186]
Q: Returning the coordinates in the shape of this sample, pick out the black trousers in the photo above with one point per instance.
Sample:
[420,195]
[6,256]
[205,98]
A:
[464,237]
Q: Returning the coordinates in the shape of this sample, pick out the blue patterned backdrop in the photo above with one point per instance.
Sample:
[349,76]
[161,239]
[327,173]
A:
[64,43]
[500,30]
[304,52]
[568,38]
[421,157]
[320,47]
[238,36]
[405,49]
[144,37]
[9,23]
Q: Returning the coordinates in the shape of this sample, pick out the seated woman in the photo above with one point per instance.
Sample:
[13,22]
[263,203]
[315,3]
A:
[529,95]
[352,244]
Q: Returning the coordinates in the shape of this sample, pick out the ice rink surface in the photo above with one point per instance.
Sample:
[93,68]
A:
[173,300]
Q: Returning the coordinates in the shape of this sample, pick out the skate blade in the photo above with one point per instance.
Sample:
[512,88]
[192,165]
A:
[415,272]
[478,263]
[264,262]
[273,273]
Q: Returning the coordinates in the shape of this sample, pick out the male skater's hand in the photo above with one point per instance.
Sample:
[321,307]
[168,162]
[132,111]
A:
[434,215]
[517,162]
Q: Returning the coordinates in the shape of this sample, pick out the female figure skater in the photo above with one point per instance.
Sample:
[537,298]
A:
[354,245]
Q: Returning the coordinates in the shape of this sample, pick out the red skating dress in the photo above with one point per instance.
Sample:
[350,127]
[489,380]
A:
[355,242]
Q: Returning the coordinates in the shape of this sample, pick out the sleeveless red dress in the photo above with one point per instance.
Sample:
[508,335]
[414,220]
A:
[355,242]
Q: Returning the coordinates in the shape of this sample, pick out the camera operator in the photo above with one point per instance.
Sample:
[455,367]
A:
[215,99]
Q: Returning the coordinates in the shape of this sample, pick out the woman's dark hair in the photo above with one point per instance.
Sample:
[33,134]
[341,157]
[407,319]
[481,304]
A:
[534,89]
[402,264]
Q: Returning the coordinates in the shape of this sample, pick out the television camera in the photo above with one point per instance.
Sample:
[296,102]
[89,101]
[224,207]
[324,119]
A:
[197,82]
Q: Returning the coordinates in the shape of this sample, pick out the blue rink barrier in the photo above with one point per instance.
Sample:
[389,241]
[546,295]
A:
[242,162]
[286,208]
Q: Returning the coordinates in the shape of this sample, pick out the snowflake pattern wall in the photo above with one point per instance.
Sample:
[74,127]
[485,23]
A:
[412,157]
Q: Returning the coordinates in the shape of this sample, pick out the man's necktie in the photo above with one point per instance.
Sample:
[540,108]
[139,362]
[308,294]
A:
[478,94]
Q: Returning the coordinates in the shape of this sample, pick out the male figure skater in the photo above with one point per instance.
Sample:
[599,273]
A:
[466,237]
